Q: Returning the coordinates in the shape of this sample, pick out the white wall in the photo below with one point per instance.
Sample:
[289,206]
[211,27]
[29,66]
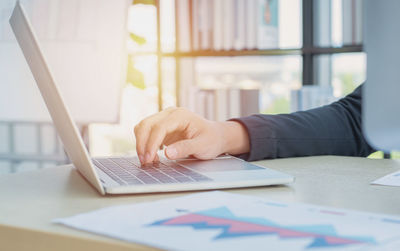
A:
[84,42]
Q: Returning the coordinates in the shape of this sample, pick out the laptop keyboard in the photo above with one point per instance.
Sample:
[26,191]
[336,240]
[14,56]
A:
[129,171]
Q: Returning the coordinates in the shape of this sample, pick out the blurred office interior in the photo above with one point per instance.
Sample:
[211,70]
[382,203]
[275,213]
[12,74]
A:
[119,61]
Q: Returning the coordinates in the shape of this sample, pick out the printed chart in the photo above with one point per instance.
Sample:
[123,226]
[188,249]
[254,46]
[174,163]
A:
[236,227]
[225,221]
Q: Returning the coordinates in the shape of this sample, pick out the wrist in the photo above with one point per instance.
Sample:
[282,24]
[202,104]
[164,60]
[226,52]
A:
[235,138]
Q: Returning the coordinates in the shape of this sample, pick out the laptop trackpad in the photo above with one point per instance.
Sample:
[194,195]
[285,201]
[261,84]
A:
[217,165]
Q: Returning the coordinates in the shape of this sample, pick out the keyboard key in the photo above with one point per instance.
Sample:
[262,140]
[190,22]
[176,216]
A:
[167,179]
[133,160]
[109,173]
[135,182]
[149,180]
[132,180]
[183,179]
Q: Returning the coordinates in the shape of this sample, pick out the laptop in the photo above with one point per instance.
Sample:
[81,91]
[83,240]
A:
[125,175]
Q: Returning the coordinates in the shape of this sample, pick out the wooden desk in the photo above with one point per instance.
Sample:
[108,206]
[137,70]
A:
[29,201]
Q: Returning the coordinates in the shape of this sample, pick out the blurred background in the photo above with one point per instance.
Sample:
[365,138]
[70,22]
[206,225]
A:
[119,61]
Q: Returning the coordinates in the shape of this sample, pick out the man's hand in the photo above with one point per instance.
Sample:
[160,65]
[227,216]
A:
[186,133]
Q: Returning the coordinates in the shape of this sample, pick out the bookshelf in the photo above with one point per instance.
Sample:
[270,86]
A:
[270,52]
[308,51]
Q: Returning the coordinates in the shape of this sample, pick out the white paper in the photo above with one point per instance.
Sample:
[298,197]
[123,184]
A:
[225,221]
[392,179]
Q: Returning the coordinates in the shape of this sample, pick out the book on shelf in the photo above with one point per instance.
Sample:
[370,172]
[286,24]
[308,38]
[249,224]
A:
[217,25]
[267,24]
[234,109]
[228,20]
[209,105]
[223,104]
[201,103]
[309,97]
[240,25]
[205,21]
[188,88]
[182,7]
[195,25]
[251,24]
[249,102]
[227,24]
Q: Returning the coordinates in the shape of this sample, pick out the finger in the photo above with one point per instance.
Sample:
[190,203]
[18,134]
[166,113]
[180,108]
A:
[142,131]
[141,134]
[156,158]
[183,148]
[172,138]
[157,136]
[168,138]
[173,121]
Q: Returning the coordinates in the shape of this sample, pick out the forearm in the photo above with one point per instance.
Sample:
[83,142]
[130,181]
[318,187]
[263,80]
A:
[330,130]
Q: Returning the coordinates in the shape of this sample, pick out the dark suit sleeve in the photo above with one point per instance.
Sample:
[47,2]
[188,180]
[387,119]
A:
[334,129]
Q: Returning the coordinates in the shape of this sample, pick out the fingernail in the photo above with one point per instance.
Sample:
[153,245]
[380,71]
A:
[141,159]
[171,152]
[147,158]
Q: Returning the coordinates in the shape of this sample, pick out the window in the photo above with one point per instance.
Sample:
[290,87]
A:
[312,50]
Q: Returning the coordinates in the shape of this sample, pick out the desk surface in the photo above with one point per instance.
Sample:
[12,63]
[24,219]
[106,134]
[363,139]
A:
[29,201]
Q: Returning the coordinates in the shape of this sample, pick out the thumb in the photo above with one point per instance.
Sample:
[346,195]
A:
[182,149]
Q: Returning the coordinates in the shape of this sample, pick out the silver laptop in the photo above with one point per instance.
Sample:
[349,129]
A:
[125,175]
